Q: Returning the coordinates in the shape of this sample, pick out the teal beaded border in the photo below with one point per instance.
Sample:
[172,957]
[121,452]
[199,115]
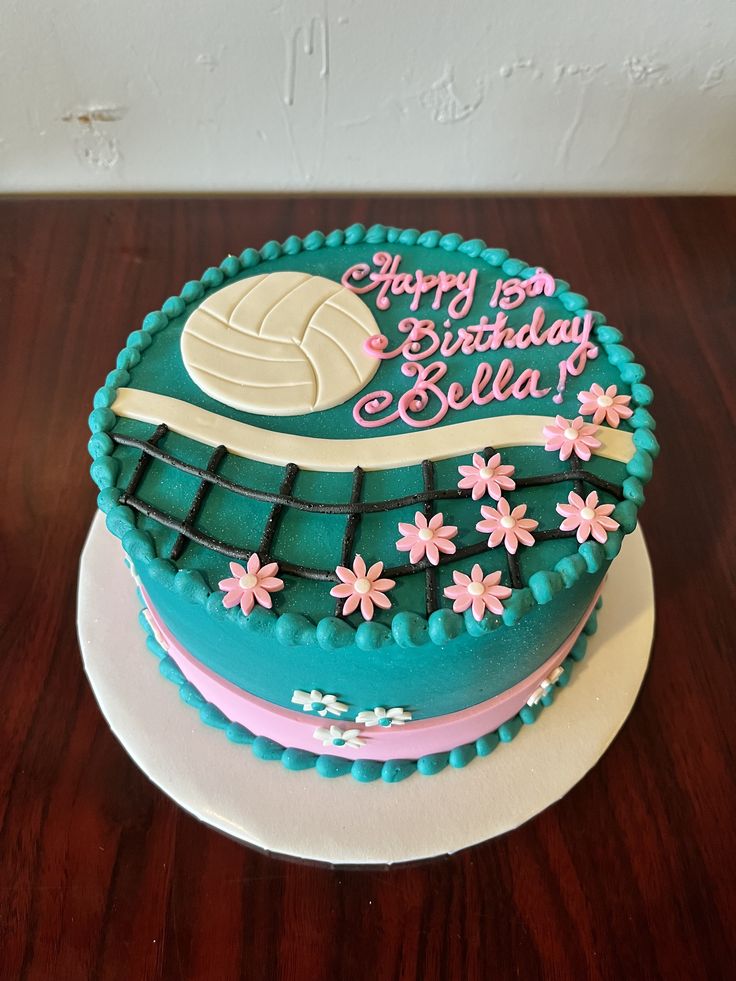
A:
[407,629]
[364,771]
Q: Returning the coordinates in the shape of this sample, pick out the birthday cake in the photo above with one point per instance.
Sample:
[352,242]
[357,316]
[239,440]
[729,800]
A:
[369,485]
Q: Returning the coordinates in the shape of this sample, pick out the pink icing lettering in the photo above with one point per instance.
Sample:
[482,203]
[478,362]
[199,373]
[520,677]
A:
[371,405]
[416,399]
[427,401]
[511,293]
[388,281]
[561,383]
[540,282]
[580,335]
[465,284]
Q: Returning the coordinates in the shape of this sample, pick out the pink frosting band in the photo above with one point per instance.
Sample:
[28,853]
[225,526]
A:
[410,741]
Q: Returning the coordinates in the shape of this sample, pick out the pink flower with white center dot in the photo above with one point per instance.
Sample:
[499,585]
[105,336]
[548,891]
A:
[477,591]
[587,516]
[571,436]
[486,477]
[426,538]
[507,526]
[362,587]
[251,585]
[605,406]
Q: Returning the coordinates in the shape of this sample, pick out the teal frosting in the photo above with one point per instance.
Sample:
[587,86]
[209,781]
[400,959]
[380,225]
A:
[429,665]
[427,678]
[364,771]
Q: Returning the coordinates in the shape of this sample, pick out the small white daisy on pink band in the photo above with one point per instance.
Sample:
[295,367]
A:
[426,538]
[507,526]
[571,436]
[587,516]
[251,585]
[477,591]
[362,587]
[605,406]
[486,477]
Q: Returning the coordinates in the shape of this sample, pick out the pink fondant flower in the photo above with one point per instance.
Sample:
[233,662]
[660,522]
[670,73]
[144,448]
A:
[252,585]
[362,587]
[605,406]
[426,538]
[571,437]
[478,591]
[487,477]
[507,526]
[588,516]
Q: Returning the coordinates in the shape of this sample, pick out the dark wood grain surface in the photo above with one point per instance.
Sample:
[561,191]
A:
[632,875]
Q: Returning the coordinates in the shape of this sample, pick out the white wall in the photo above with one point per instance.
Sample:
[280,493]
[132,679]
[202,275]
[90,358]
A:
[491,95]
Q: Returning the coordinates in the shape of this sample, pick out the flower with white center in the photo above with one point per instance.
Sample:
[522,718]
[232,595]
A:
[362,587]
[605,406]
[587,517]
[335,736]
[478,591]
[383,717]
[252,585]
[315,701]
[486,477]
[571,436]
[507,526]
[426,538]
[545,685]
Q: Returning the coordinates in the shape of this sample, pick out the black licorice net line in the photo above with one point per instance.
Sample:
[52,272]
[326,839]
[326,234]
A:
[430,588]
[361,507]
[205,486]
[351,528]
[144,460]
[291,472]
[354,509]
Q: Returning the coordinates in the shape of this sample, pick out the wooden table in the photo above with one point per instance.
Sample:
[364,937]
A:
[630,876]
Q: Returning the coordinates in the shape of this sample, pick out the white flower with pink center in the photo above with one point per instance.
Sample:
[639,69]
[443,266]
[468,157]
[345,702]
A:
[478,591]
[362,587]
[426,538]
[587,516]
[605,406]
[251,585]
[487,477]
[507,525]
[571,436]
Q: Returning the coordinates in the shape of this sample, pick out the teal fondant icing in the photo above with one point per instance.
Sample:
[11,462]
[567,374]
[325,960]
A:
[364,771]
[431,664]
[429,679]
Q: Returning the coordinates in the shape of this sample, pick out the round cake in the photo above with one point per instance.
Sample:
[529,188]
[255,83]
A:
[369,484]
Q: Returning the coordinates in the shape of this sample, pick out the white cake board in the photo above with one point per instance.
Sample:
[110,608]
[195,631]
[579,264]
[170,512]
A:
[341,821]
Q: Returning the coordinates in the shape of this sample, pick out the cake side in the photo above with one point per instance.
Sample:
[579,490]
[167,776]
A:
[367,770]
[237,492]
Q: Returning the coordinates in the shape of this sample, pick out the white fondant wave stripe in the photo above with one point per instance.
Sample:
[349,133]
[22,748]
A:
[341,455]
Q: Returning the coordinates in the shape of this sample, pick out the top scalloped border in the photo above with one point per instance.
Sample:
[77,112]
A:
[407,629]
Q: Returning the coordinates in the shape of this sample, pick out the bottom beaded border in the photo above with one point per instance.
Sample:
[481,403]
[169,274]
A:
[365,771]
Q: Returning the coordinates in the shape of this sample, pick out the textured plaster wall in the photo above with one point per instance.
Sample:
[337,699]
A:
[605,95]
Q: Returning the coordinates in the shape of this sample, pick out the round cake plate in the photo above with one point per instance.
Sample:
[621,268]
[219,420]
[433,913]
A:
[341,821]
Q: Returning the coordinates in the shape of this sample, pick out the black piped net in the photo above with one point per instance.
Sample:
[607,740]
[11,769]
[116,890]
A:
[354,510]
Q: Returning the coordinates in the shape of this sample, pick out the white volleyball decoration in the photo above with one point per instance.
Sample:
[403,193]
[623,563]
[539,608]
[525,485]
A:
[280,344]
